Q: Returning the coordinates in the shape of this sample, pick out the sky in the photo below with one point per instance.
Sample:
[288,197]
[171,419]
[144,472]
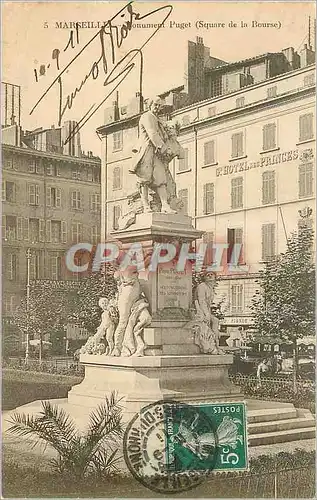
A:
[32,37]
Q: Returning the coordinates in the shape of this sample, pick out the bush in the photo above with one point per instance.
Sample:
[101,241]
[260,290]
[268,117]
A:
[47,366]
[280,390]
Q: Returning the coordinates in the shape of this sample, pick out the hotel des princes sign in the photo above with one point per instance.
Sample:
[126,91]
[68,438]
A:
[269,160]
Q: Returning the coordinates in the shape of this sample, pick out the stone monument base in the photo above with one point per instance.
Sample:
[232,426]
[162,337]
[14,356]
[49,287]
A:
[144,380]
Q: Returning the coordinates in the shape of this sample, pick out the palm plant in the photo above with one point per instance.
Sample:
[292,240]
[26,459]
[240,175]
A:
[93,452]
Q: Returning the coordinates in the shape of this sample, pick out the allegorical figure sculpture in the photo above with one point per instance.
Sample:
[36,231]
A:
[106,329]
[206,324]
[122,321]
[156,147]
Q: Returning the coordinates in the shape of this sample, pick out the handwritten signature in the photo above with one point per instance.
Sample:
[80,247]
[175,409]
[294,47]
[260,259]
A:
[114,70]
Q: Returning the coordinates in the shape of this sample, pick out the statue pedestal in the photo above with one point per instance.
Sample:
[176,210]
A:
[172,366]
[143,380]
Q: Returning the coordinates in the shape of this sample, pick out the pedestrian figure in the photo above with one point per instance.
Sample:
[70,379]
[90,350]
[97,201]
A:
[262,368]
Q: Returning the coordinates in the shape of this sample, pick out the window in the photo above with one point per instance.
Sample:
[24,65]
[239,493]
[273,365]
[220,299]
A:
[8,191]
[235,241]
[95,202]
[33,167]
[183,195]
[216,87]
[209,198]
[237,145]
[212,111]
[8,163]
[77,231]
[58,171]
[208,238]
[35,270]
[76,174]
[268,241]
[76,200]
[90,176]
[55,267]
[50,169]
[117,140]
[272,92]
[309,80]
[42,230]
[56,232]
[209,153]
[269,136]
[185,120]
[94,235]
[305,180]
[306,127]
[116,216]
[237,192]
[240,101]
[236,299]
[53,197]
[11,267]
[34,227]
[116,184]
[183,163]
[9,304]
[268,187]
[34,194]
[9,227]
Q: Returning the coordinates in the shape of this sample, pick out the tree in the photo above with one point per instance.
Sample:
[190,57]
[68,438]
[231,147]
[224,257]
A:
[46,315]
[284,307]
[79,455]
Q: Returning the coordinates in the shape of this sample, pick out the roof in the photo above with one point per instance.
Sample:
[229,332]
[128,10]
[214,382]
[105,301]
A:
[244,61]
[57,156]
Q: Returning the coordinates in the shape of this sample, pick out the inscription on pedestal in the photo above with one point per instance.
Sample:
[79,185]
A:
[174,289]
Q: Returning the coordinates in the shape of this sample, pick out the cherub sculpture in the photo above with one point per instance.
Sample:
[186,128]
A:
[106,329]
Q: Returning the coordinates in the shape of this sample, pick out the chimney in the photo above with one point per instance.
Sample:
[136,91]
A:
[307,56]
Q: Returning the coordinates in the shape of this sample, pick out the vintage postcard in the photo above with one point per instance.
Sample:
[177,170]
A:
[158,249]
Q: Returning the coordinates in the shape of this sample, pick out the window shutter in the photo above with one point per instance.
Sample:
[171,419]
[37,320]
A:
[269,136]
[37,194]
[48,197]
[306,127]
[4,229]
[205,199]
[3,190]
[26,229]
[80,232]
[31,191]
[58,197]
[20,228]
[209,152]
[183,163]
[48,230]
[208,198]
[42,230]
[64,231]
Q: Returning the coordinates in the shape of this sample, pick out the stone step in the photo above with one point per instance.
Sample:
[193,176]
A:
[271,414]
[280,425]
[281,436]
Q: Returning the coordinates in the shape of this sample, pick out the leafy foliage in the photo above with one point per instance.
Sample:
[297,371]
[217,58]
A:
[285,306]
[86,312]
[79,455]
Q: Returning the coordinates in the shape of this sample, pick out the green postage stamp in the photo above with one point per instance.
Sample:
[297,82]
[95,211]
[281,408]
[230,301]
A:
[210,436]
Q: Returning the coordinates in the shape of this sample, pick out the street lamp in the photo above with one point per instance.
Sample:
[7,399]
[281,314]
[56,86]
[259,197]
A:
[28,264]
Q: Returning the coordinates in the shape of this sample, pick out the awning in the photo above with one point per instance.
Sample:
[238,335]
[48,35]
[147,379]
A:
[307,340]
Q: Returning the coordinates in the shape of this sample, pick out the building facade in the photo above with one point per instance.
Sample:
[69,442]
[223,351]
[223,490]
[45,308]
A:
[50,201]
[249,168]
